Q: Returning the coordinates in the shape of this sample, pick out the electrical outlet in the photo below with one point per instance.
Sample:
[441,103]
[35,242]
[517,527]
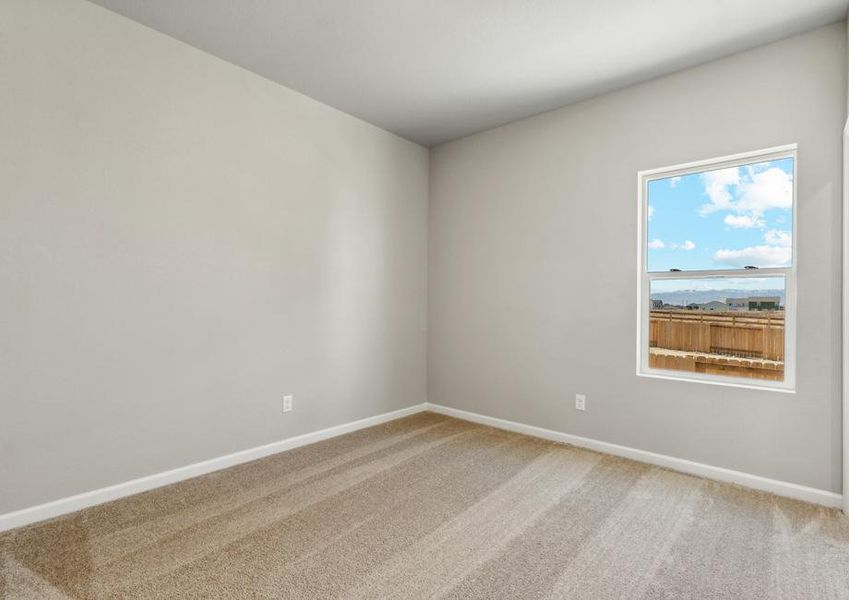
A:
[287,403]
[580,402]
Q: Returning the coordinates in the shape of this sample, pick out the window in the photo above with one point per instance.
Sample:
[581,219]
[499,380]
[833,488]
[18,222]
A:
[717,267]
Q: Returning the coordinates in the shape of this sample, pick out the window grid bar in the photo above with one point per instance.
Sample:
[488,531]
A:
[722,273]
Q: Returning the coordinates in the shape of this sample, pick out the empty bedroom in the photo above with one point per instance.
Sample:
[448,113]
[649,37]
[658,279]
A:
[395,299]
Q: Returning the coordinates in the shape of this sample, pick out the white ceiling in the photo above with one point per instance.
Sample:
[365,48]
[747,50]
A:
[435,70]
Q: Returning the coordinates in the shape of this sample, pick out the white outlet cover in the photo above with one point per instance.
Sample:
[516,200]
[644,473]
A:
[287,403]
[580,402]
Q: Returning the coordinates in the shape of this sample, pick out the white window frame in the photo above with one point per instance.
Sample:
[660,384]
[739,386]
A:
[645,277]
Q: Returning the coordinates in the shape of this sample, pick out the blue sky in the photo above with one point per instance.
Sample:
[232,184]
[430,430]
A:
[722,219]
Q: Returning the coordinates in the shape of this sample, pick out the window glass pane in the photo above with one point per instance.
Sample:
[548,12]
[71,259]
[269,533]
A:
[722,219]
[729,326]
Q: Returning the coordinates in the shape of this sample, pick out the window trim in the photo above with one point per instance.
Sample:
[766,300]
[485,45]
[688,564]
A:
[644,277]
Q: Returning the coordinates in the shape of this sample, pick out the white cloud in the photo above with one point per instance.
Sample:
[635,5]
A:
[657,244]
[776,237]
[759,256]
[716,187]
[651,211]
[674,181]
[743,221]
[763,190]
[777,252]
[756,191]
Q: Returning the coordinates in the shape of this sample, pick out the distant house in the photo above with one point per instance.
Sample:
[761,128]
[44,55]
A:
[754,303]
[713,305]
[737,303]
[655,303]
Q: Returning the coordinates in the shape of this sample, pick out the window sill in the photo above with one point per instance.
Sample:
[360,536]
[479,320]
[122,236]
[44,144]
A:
[715,381]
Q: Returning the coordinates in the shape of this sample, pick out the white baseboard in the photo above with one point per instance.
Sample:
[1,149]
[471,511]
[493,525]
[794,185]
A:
[71,504]
[773,486]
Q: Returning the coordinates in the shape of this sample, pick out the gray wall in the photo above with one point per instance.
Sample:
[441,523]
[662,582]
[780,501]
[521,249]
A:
[845,283]
[183,242]
[532,262]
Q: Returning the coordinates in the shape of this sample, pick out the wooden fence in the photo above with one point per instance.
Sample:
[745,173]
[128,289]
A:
[749,344]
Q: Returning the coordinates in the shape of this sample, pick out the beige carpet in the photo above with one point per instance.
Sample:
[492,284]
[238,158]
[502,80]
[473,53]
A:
[433,507]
